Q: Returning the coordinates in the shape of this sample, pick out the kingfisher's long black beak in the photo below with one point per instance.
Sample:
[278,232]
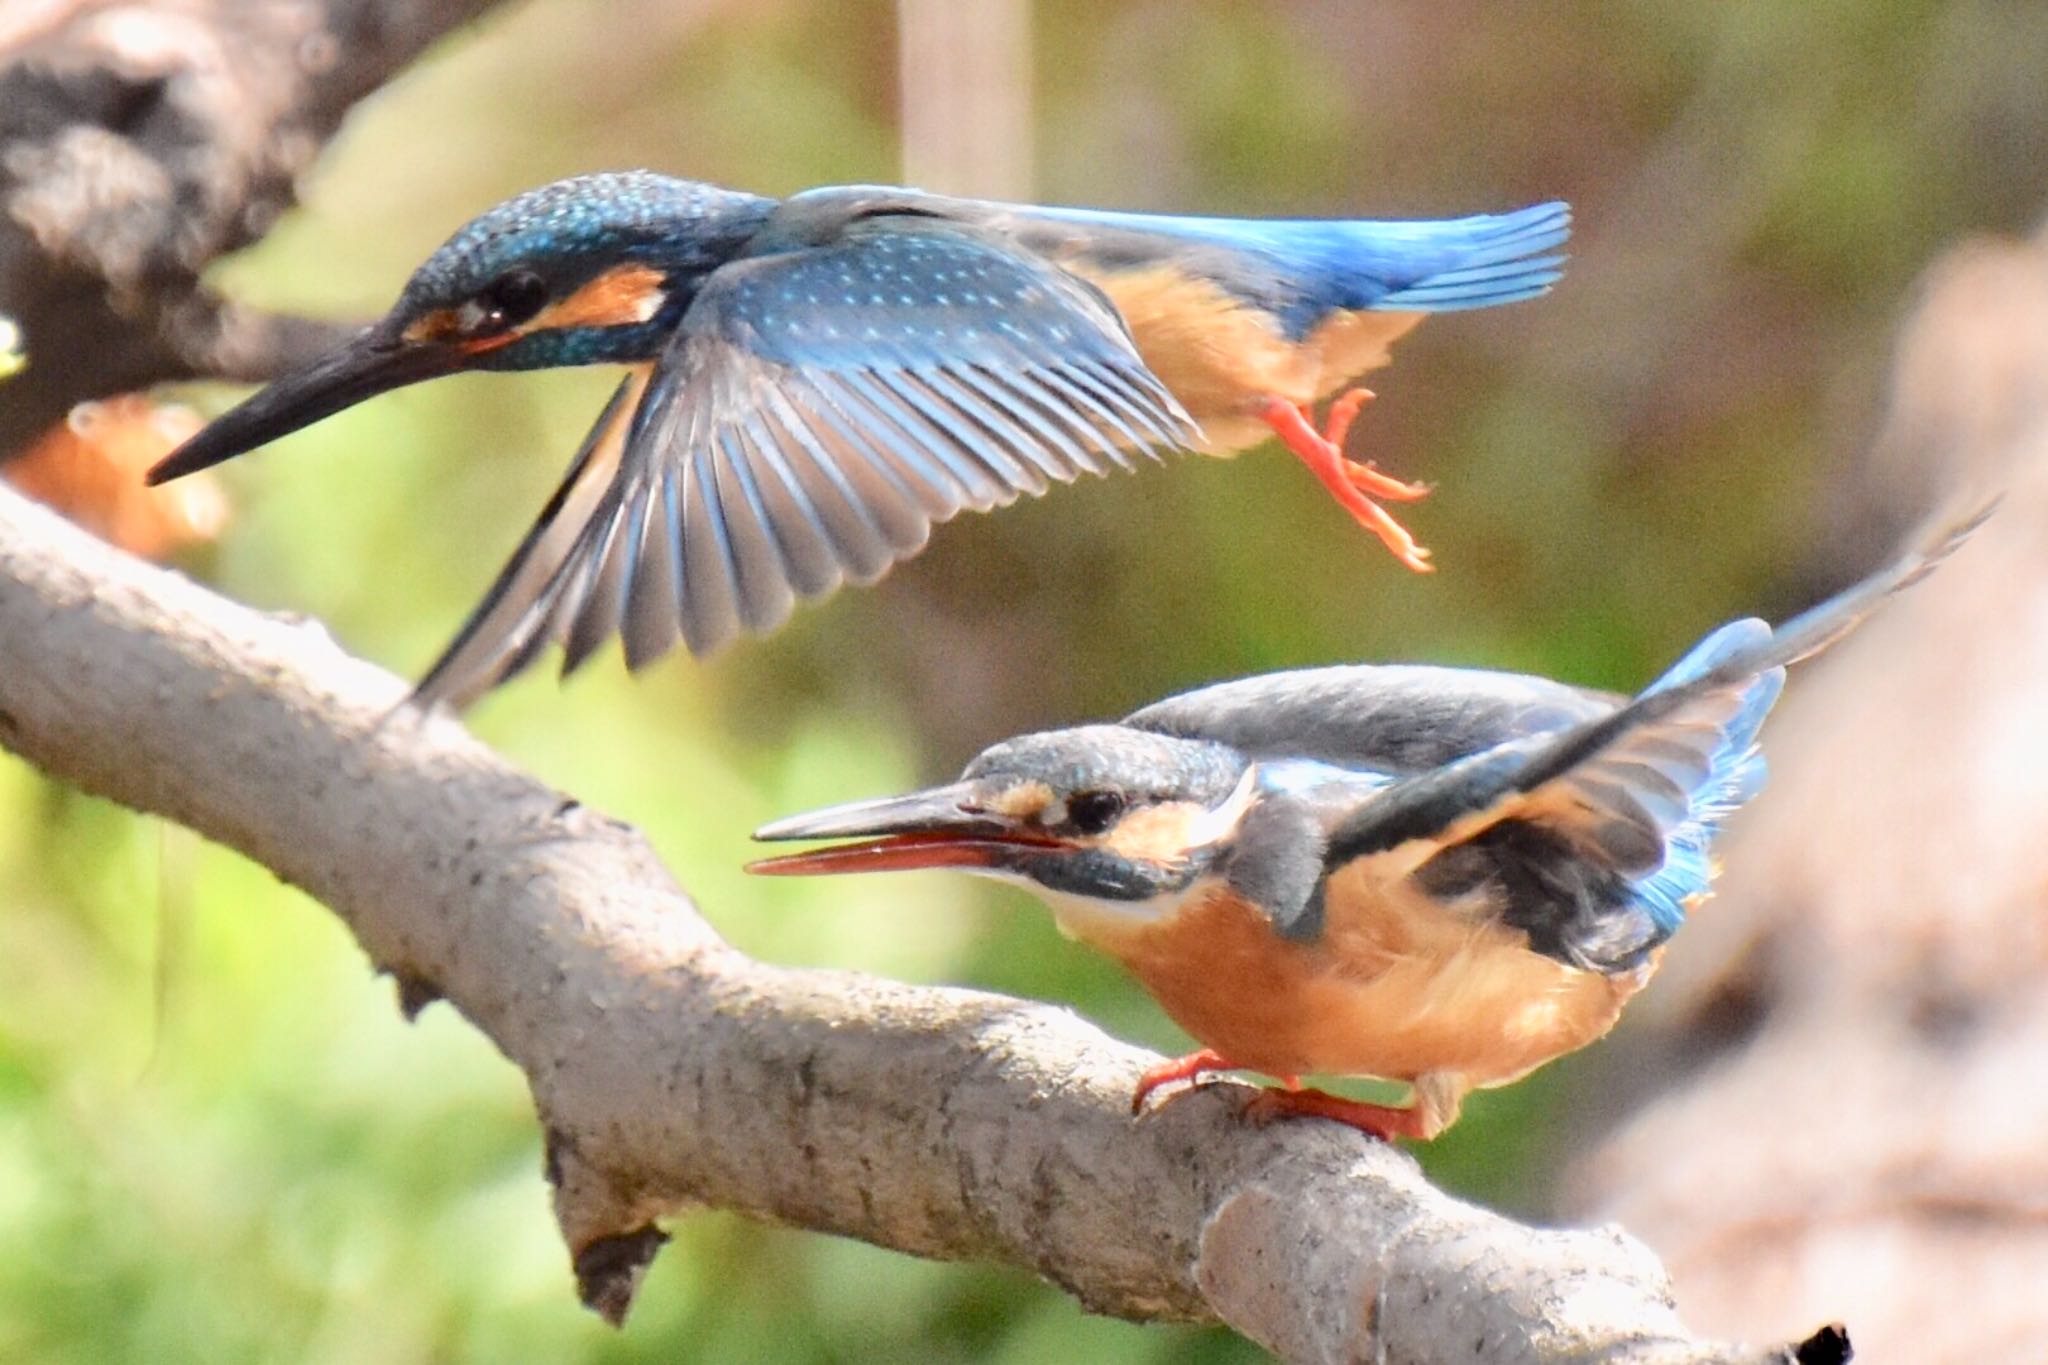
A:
[378,360]
[943,827]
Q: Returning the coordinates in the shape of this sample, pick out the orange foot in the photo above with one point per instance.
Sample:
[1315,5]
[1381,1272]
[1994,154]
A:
[1354,485]
[1383,1121]
[1188,1068]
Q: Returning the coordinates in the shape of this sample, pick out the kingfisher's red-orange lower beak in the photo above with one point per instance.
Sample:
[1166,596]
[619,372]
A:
[944,827]
[376,361]
[897,853]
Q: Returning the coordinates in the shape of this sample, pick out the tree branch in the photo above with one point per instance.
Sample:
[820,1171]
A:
[670,1071]
[139,144]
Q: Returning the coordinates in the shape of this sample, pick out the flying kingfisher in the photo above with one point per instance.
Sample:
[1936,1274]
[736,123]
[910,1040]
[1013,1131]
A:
[816,380]
[1440,876]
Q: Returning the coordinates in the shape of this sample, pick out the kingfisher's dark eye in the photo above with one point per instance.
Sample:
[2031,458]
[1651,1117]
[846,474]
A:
[510,299]
[1094,812]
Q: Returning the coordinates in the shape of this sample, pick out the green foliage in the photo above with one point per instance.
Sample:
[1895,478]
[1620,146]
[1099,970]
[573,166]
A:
[217,1140]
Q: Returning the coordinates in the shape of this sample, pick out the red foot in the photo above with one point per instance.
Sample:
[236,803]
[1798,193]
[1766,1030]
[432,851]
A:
[1343,412]
[1354,485]
[1186,1068]
[1383,1121]
[1366,477]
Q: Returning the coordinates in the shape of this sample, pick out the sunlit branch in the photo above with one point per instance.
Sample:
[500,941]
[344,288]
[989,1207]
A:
[669,1071]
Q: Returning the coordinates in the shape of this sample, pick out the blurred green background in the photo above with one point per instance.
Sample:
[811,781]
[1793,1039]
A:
[219,1142]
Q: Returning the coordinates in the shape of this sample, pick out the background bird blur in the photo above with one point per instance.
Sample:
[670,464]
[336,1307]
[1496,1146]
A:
[90,468]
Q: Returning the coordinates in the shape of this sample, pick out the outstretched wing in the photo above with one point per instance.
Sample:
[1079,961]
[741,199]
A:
[1596,836]
[818,410]
[515,620]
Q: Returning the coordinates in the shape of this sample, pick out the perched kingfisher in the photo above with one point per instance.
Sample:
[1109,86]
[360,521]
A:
[817,380]
[1433,875]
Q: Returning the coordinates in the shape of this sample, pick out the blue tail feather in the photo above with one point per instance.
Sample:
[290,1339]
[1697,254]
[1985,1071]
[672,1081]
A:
[1303,268]
[1486,261]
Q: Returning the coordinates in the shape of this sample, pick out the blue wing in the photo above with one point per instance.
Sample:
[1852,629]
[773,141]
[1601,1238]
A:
[1693,780]
[821,406]
[517,618]
[1301,269]
[1594,838]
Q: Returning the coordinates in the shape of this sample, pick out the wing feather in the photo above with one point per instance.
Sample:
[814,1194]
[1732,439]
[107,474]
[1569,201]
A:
[1597,833]
[865,539]
[515,620]
[821,407]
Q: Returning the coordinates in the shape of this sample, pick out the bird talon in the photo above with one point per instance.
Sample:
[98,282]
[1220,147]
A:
[1367,478]
[1354,485]
[1188,1068]
[1343,412]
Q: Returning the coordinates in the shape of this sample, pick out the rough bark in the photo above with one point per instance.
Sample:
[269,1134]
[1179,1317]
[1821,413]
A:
[139,143]
[669,1071]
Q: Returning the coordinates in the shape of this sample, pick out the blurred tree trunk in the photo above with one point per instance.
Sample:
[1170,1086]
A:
[1861,1016]
[964,74]
[141,143]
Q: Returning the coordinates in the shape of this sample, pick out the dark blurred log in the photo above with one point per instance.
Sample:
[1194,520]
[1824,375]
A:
[1866,1001]
[143,142]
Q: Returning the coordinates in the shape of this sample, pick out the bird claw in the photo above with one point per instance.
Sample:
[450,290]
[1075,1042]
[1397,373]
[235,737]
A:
[1343,412]
[1188,1068]
[1385,1122]
[1353,484]
[1365,476]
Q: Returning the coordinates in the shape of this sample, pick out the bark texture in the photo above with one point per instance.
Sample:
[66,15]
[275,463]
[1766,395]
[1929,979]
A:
[669,1071]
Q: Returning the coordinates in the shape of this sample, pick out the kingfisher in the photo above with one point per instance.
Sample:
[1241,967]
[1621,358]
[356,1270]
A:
[815,381]
[1438,876]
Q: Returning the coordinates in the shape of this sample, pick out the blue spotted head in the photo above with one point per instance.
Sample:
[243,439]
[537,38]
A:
[584,271]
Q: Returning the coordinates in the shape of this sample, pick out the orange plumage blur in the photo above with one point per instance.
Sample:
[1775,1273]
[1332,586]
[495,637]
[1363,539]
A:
[618,297]
[89,467]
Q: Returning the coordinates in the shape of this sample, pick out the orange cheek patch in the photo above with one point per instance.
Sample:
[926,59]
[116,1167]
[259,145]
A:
[439,325]
[1022,802]
[1155,834]
[482,344]
[623,295]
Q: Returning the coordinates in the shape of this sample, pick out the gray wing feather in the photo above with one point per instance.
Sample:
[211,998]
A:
[893,432]
[520,614]
[1397,719]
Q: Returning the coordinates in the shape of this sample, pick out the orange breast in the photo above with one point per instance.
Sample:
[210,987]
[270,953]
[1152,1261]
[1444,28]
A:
[1397,987]
[1224,360]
